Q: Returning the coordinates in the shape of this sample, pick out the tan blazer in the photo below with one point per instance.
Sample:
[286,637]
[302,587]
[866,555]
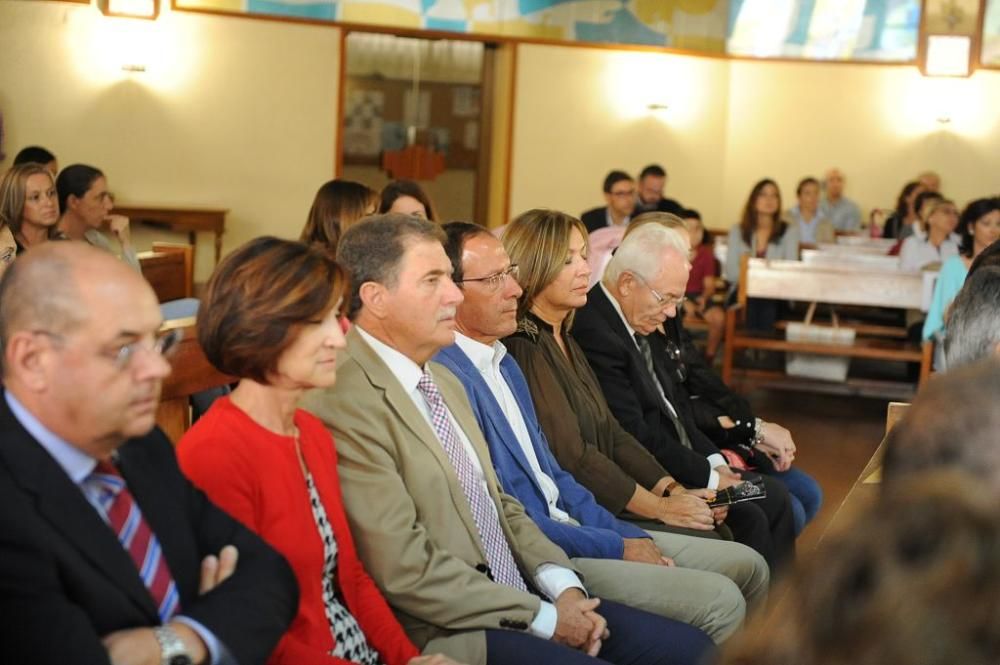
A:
[410,518]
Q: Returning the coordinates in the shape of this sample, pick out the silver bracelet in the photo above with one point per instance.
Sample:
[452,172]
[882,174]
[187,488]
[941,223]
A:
[758,432]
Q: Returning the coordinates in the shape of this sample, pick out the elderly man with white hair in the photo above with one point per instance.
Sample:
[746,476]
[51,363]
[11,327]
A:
[620,332]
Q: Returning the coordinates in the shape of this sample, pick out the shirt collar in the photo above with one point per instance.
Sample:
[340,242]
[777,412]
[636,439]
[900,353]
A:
[610,220]
[76,463]
[618,308]
[407,372]
[484,357]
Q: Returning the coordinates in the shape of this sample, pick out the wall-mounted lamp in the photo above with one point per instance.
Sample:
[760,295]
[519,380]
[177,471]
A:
[147,9]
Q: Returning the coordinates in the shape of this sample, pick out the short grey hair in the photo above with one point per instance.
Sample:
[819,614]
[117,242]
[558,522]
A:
[973,330]
[39,292]
[373,249]
[952,423]
[642,251]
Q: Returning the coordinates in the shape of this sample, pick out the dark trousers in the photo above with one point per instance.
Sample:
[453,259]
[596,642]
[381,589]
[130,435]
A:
[637,638]
[767,525]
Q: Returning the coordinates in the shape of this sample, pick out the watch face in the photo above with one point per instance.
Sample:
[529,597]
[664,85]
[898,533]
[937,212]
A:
[180,659]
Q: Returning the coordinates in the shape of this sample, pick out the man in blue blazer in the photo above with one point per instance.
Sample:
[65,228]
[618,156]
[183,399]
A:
[700,581]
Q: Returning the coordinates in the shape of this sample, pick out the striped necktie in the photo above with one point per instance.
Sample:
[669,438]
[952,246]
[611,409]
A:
[125,519]
[501,559]
[647,359]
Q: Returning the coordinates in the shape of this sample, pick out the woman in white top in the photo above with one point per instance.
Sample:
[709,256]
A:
[938,245]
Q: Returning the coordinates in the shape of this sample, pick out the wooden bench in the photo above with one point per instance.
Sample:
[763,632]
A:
[850,257]
[192,373]
[169,269]
[852,286]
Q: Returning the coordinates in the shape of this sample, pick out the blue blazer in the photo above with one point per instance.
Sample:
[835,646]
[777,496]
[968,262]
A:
[600,534]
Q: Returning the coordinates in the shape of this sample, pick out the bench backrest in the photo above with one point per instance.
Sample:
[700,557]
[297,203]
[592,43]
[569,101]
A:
[849,259]
[192,373]
[169,269]
[838,285]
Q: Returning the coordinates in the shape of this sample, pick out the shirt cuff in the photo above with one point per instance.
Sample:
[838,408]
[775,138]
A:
[552,580]
[216,649]
[713,480]
[544,625]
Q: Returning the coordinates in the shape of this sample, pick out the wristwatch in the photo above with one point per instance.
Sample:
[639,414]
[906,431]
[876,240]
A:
[172,651]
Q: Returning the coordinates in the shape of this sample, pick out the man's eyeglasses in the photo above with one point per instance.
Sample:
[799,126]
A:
[164,345]
[495,281]
[662,300]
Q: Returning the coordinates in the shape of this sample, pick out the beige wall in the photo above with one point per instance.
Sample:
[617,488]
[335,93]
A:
[877,123]
[581,112]
[230,113]
[240,113]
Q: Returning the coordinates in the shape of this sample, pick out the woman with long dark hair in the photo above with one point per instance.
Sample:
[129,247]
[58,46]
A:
[762,234]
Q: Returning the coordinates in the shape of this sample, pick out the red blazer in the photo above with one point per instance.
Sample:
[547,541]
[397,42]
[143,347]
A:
[254,475]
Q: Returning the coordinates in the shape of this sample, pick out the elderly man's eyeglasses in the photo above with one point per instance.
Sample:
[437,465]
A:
[661,300]
[495,281]
[164,345]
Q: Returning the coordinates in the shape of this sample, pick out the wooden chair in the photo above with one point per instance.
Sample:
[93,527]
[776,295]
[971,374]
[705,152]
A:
[192,373]
[169,269]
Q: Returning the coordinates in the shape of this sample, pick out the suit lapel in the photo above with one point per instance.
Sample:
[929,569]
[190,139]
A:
[613,320]
[406,413]
[495,419]
[60,502]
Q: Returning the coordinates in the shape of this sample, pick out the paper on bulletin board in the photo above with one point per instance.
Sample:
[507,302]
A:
[363,121]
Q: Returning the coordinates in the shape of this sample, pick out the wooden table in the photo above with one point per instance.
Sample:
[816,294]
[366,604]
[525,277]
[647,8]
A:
[191,220]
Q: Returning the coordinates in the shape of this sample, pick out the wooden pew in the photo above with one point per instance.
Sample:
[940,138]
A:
[169,269]
[192,373]
[850,257]
[853,286]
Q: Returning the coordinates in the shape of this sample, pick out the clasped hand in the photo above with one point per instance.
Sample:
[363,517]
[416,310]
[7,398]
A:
[578,624]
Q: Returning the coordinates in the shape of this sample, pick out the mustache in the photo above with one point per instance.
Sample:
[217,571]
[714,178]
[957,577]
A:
[448,313]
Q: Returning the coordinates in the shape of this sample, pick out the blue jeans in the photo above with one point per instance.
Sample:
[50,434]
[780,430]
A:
[807,496]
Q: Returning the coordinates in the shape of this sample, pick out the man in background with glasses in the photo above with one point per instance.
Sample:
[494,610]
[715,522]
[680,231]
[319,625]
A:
[620,331]
[108,552]
[619,197]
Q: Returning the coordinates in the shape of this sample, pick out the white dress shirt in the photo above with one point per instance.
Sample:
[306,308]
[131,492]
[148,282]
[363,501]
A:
[551,579]
[487,360]
[715,459]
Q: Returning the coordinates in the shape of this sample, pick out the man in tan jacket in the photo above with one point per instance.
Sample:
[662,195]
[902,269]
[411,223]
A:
[465,570]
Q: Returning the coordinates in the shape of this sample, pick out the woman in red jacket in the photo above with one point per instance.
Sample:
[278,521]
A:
[272,316]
